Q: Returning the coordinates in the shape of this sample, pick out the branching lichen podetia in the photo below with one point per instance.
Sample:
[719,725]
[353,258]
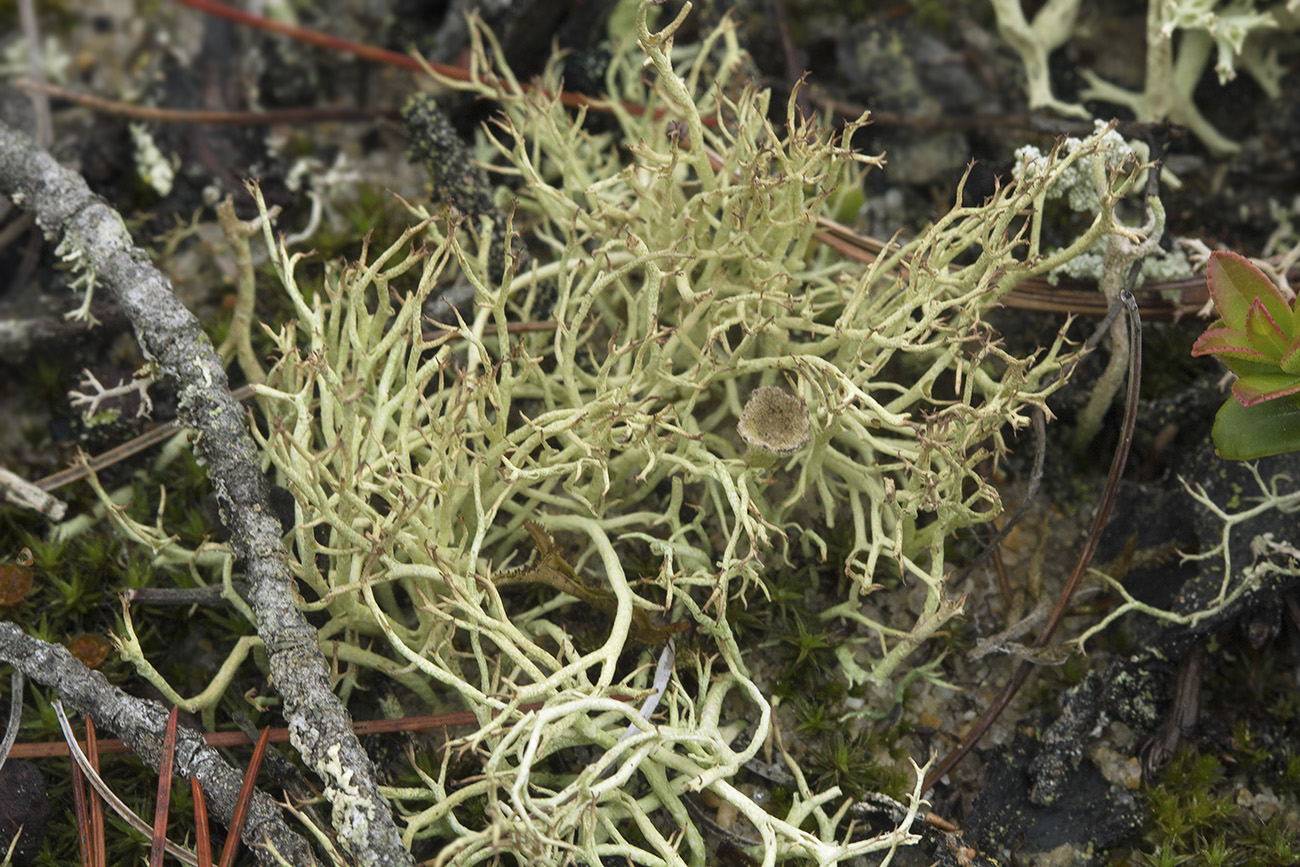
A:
[424,456]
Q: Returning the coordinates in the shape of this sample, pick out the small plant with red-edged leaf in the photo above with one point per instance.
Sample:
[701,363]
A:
[1258,338]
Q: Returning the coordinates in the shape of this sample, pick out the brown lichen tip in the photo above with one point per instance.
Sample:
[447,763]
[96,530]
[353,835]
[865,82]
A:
[774,420]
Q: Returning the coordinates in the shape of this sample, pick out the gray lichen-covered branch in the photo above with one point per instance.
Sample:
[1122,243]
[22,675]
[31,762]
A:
[141,724]
[93,236]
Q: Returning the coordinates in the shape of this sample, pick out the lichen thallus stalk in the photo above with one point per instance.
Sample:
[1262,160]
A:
[679,289]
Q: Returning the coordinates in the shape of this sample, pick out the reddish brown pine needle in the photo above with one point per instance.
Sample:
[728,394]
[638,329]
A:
[379,55]
[202,837]
[99,852]
[82,814]
[245,798]
[422,722]
[157,846]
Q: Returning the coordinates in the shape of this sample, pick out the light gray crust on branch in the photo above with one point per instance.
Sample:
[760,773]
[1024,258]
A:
[319,726]
[141,724]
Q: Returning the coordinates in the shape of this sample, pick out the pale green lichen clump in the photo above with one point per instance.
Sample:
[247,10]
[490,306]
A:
[429,464]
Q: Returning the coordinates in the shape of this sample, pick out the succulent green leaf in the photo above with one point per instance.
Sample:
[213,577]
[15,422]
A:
[1256,388]
[1220,342]
[1247,366]
[1235,283]
[1291,358]
[1262,331]
[1244,433]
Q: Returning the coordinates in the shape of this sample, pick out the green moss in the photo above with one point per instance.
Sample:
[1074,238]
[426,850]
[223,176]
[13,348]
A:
[74,590]
[1196,817]
[859,763]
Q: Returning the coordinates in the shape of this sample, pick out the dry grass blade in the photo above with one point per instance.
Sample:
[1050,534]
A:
[151,437]
[152,114]
[245,797]
[163,802]
[15,715]
[107,794]
[323,839]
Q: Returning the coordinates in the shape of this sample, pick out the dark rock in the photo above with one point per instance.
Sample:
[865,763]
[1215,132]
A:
[1092,815]
[25,807]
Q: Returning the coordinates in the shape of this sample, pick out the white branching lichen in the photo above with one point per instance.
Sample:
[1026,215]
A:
[1269,557]
[96,392]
